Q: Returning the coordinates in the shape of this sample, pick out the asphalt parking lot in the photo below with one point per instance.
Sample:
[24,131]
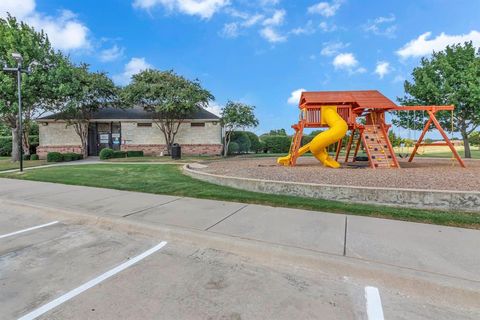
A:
[58,270]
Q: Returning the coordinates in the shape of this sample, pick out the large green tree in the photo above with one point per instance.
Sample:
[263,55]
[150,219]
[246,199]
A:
[39,88]
[169,97]
[235,116]
[83,94]
[451,76]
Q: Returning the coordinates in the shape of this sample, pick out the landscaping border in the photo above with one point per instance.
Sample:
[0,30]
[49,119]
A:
[412,198]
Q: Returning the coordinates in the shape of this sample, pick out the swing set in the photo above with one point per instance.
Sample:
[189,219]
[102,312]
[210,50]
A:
[340,110]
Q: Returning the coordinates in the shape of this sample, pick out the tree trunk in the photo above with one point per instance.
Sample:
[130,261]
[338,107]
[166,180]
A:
[15,144]
[26,142]
[466,145]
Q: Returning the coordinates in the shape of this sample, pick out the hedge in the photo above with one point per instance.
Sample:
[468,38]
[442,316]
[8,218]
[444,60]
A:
[60,157]
[34,157]
[134,153]
[277,144]
[233,147]
[119,154]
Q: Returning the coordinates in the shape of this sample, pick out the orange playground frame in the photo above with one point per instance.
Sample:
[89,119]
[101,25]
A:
[373,134]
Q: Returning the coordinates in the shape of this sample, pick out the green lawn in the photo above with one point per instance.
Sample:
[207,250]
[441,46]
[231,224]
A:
[168,179]
[7,164]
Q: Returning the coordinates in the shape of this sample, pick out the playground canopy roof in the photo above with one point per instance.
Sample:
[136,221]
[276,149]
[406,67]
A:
[363,99]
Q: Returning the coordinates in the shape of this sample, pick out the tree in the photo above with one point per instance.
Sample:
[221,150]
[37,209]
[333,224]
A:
[37,88]
[449,77]
[84,94]
[170,98]
[277,132]
[236,115]
[475,138]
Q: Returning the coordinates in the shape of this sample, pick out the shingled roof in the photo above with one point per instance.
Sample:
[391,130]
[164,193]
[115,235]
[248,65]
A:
[362,98]
[136,113]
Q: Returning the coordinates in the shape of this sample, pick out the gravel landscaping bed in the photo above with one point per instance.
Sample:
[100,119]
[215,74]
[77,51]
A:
[432,174]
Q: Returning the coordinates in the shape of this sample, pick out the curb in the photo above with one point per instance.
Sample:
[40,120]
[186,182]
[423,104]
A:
[395,197]
[457,291]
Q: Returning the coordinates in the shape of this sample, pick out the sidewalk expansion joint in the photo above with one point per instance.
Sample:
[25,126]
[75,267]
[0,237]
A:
[345,237]
[151,207]
[234,212]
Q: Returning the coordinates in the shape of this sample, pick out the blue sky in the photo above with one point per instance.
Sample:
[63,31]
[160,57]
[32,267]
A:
[257,52]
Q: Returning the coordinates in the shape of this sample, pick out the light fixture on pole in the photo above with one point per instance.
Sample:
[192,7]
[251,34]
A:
[19,70]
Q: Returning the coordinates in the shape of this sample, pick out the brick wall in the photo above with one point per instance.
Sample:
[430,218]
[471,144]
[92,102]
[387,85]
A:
[57,134]
[187,149]
[43,150]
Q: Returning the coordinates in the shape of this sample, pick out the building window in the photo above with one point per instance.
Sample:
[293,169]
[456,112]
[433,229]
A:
[197,124]
[144,124]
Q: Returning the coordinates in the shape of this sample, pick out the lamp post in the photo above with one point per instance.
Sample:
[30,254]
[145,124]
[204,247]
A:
[19,69]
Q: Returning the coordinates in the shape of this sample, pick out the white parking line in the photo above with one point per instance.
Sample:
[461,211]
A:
[374,304]
[71,294]
[28,229]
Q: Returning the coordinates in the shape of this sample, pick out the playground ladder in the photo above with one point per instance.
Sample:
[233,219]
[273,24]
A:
[378,147]
[296,142]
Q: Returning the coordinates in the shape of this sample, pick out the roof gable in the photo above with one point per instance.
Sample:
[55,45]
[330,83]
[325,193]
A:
[362,98]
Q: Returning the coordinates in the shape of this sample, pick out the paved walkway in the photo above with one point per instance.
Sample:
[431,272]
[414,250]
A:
[448,251]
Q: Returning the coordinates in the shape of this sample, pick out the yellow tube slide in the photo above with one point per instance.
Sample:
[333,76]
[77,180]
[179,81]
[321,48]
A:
[338,129]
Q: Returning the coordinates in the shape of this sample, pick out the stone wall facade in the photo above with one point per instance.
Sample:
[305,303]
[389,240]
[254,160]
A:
[42,151]
[187,149]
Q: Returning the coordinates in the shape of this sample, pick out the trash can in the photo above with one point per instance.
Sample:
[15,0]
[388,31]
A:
[176,151]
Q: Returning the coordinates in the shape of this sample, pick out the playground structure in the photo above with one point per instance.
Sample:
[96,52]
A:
[340,111]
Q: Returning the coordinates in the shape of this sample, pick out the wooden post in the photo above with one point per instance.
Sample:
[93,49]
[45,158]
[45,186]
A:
[358,144]
[349,145]
[445,137]
[339,147]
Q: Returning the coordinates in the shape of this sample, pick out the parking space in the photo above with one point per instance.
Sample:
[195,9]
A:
[71,271]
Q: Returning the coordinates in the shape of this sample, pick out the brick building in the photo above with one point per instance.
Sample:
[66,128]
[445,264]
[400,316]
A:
[130,129]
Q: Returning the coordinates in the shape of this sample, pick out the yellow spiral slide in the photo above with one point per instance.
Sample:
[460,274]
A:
[338,129]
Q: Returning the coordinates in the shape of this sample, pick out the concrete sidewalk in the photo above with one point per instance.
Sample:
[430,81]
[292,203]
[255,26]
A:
[446,251]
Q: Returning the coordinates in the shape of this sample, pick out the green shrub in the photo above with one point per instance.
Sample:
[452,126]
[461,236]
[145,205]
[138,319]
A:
[277,144]
[255,145]
[233,148]
[34,157]
[5,146]
[134,153]
[26,157]
[241,138]
[119,154]
[70,156]
[106,153]
[54,157]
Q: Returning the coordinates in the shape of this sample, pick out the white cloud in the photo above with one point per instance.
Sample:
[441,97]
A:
[276,19]
[326,27]
[332,48]
[269,32]
[295,96]
[307,29]
[134,66]
[230,30]
[111,54]
[271,35]
[17,8]
[383,68]
[345,61]
[326,9]
[65,31]
[202,8]
[424,46]
[382,26]
[214,108]
[398,78]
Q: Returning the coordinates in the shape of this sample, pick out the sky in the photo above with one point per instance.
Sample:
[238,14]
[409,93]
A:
[264,52]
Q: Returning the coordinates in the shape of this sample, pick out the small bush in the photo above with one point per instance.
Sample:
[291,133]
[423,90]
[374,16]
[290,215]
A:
[233,148]
[134,153]
[34,157]
[54,157]
[255,145]
[5,146]
[119,154]
[26,157]
[106,153]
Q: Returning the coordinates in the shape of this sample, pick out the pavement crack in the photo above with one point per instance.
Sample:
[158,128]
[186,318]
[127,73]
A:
[345,237]
[234,212]
[155,206]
